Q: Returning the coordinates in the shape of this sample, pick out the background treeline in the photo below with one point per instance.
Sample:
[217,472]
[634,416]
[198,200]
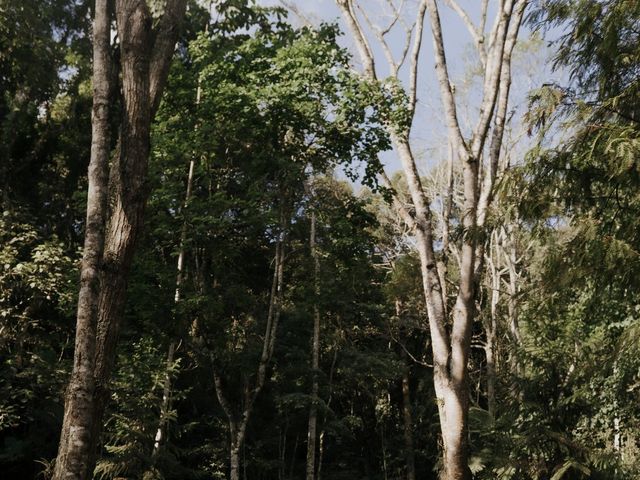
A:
[267,289]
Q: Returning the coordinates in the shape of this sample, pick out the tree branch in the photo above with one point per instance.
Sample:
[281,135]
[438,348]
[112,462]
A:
[364,49]
[404,213]
[476,34]
[415,55]
[166,35]
[442,72]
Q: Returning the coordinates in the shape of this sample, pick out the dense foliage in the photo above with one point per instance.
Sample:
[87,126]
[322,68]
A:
[258,124]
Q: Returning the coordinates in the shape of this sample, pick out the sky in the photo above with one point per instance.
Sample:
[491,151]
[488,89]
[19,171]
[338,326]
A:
[530,66]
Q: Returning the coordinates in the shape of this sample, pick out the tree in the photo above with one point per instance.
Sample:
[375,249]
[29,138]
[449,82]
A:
[574,301]
[275,131]
[451,347]
[110,239]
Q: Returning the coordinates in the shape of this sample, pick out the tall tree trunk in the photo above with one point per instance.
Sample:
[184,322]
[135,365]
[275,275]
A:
[127,185]
[161,434]
[145,59]
[74,451]
[292,465]
[491,324]
[315,357]
[407,418]
[330,397]
[238,423]
[450,341]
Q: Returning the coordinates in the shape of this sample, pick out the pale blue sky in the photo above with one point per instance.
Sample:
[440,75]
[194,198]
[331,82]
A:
[530,68]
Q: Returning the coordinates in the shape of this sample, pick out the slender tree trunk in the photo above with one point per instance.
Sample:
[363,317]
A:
[238,424]
[491,333]
[315,357]
[451,341]
[617,437]
[513,286]
[74,451]
[322,435]
[443,263]
[320,454]
[282,447]
[161,432]
[491,373]
[407,418]
[161,435]
[383,446]
[292,466]
[234,460]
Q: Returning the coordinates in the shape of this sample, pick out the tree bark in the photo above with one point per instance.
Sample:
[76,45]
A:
[407,418]
[144,67]
[315,357]
[74,452]
[234,457]
[491,325]
[127,184]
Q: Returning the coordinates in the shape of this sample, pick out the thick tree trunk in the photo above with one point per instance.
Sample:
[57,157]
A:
[127,189]
[453,407]
[315,358]
[74,452]
[144,71]
[449,355]
[452,377]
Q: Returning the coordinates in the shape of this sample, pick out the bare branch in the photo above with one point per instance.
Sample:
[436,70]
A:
[493,72]
[504,86]
[396,17]
[476,34]
[483,17]
[404,213]
[442,72]
[296,11]
[362,44]
[393,66]
[415,55]
[407,44]
[409,354]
